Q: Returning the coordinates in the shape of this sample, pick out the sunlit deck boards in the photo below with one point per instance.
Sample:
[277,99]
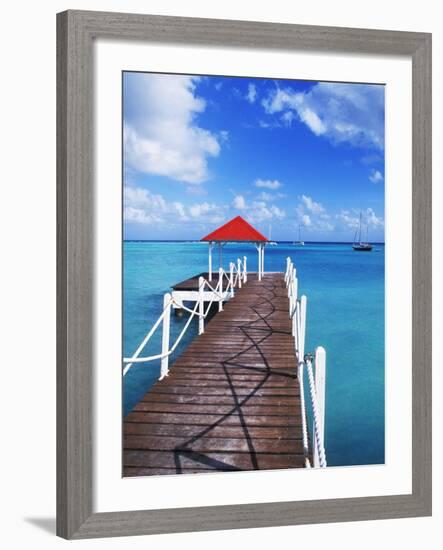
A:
[231,400]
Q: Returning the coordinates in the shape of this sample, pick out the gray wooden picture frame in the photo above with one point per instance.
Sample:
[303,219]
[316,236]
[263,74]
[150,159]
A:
[76,32]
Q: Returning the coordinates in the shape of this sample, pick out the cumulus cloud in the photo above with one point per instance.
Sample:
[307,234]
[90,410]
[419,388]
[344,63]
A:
[376,176]
[257,211]
[352,113]
[313,214]
[239,202]
[252,93]
[351,218]
[306,220]
[161,133]
[260,211]
[144,207]
[312,206]
[268,184]
[264,196]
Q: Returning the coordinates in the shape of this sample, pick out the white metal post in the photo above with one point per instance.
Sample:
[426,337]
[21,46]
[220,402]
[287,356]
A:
[220,289]
[302,333]
[210,260]
[263,260]
[294,305]
[288,263]
[291,276]
[239,272]
[320,388]
[201,320]
[164,368]
[259,262]
[245,270]
[231,278]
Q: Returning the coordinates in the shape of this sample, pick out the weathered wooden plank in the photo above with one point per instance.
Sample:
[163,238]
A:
[273,401]
[210,420]
[217,461]
[213,444]
[184,390]
[196,408]
[222,431]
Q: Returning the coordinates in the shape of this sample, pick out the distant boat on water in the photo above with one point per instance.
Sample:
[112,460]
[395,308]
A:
[271,242]
[359,245]
[299,242]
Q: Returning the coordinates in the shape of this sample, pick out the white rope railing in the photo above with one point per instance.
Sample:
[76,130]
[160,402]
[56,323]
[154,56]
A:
[319,449]
[198,310]
[297,314]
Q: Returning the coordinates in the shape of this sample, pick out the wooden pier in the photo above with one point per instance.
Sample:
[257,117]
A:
[231,401]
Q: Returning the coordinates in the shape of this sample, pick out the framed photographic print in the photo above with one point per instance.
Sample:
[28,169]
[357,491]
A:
[244,278]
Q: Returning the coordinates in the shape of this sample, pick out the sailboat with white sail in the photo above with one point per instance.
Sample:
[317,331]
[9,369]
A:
[271,242]
[359,245]
[299,242]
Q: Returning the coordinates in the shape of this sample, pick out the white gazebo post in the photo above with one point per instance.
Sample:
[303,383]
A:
[259,247]
[259,262]
[263,259]
[210,243]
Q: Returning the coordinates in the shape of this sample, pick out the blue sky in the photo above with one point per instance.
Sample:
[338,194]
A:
[281,153]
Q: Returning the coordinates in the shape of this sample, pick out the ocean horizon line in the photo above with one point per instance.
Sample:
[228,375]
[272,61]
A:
[237,242]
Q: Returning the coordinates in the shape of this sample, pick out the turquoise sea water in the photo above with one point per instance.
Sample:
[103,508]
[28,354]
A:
[345,315]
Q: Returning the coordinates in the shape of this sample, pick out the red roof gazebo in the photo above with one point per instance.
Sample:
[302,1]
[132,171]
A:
[237,230]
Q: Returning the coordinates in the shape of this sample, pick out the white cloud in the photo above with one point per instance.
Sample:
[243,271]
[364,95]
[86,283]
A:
[372,220]
[306,220]
[351,218]
[258,211]
[198,210]
[351,113]
[288,117]
[252,93]
[161,135]
[376,176]
[144,207]
[313,215]
[312,206]
[239,202]
[263,196]
[268,184]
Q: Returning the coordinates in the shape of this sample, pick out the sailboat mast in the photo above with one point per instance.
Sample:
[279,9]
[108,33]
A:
[359,230]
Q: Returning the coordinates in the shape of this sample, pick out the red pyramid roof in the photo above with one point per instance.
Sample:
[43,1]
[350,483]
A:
[236,229]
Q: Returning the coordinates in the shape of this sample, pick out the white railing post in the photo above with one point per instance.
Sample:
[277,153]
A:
[220,289]
[291,304]
[201,319]
[245,271]
[239,272]
[231,278]
[302,333]
[164,368]
[294,306]
[288,262]
[320,389]
[290,277]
